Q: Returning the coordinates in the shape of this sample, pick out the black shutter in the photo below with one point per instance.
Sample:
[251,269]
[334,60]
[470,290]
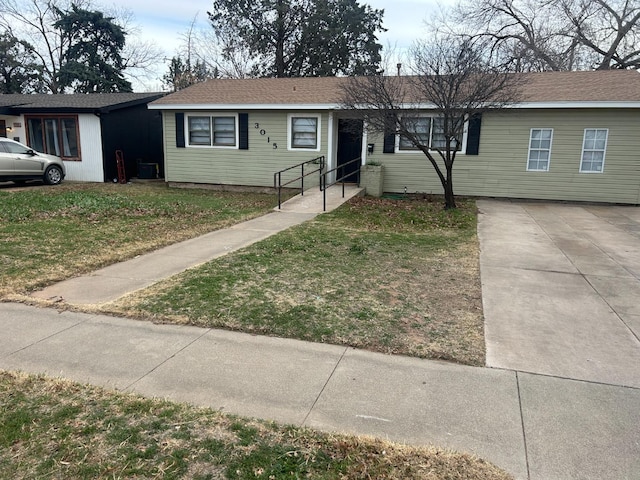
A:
[389,145]
[180,130]
[473,136]
[243,131]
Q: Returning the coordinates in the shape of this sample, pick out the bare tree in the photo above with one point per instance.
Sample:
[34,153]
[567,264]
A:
[140,57]
[525,35]
[452,81]
[538,35]
[216,53]
[224,52]
[609,30]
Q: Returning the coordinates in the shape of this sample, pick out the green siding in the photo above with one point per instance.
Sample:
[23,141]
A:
[252,167]
[500,168]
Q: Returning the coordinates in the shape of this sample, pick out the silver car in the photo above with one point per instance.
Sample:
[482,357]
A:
[19,163]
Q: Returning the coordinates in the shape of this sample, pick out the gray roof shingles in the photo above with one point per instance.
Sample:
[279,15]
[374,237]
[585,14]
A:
[74,102]
[552,87]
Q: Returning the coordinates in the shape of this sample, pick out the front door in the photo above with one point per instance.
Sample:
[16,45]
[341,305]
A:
[3,128]
[349,148]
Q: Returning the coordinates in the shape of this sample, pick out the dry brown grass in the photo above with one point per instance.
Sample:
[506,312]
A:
[397,279]
[51,234]
[59,429]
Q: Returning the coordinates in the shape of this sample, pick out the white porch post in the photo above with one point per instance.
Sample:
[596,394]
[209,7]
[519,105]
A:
[363,155]
[331,146]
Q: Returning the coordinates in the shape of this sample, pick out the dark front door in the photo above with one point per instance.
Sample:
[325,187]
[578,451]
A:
[349,148]
[3,128]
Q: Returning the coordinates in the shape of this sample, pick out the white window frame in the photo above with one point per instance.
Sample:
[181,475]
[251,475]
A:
[211,116]
[603,150]
[541,129]
[290,118]
[414,150]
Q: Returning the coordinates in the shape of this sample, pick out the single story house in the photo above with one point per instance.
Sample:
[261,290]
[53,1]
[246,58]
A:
[86,130]
[574,136]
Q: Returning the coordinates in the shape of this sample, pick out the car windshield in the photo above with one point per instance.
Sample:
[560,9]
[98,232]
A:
[16,148]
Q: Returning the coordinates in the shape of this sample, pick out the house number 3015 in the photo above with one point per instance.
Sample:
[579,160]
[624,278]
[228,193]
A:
[264,132]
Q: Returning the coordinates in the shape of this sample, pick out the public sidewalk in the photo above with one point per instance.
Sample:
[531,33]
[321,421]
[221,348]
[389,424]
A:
[533,426]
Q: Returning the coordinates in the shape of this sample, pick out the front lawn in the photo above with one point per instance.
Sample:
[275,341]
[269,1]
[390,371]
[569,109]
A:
[395,276]
[57,429]
[49,234]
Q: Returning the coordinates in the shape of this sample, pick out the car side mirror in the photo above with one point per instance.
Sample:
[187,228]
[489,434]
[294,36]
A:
[31,152]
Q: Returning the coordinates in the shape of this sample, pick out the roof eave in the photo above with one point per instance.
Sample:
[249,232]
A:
[577,104]
[52,110]
[132,103]
[244,106]
[335,106]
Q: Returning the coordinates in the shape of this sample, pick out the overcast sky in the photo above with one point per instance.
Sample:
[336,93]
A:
[163,21]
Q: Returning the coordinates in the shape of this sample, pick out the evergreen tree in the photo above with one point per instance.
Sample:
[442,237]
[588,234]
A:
[19,71]
[93,61]
[289,38]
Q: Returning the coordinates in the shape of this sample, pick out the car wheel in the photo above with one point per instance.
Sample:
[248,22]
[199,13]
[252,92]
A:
[53,175]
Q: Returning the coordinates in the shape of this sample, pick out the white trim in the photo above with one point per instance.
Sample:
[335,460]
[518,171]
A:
[365,147]
[409,106]
[529,149]
[584,104]
[317,116]
[211,116]
[604,150]
[247,106]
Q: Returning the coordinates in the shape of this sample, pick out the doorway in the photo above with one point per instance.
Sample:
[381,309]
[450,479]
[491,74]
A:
[349,148]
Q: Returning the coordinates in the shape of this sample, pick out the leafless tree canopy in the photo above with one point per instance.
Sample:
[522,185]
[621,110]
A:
[451,80]
[538,35]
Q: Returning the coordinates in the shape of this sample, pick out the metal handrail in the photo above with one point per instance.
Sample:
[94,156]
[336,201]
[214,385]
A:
[277,177]
[323,179]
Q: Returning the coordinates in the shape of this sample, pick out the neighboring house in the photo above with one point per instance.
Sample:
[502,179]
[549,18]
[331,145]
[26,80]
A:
[574,136]
[86,130]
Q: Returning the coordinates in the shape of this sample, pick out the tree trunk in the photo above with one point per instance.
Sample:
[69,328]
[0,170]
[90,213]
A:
[449,197]
[280,39]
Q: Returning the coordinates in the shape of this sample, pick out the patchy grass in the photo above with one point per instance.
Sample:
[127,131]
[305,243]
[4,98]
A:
[48,234]
[394,276]
[59,430]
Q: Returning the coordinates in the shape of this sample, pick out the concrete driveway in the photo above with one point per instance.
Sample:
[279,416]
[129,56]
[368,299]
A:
[561,289]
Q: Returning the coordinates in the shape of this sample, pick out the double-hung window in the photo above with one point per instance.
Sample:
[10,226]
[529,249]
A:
[594,146]
[427,131]
[304,132]
[420,127]
[437,136]
[55,135]
[539,149]
[212,131]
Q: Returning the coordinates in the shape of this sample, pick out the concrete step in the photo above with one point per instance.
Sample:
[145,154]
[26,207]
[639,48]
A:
[312,199]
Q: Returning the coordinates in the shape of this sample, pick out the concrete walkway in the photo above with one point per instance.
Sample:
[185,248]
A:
[535,422]
[114,281]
